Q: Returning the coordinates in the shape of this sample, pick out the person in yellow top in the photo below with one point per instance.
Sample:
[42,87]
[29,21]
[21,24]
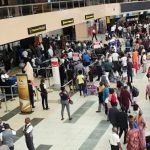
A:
[80,80]
[100,96]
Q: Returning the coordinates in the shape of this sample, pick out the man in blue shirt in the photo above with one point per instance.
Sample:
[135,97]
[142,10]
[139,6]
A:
[86,59]
[105,96]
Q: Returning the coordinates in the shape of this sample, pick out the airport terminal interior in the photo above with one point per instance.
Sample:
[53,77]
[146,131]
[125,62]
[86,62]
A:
[74,75]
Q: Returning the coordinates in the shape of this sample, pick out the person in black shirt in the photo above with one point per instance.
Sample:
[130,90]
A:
[129,70]
[31,93]
[64,99]
[44,94]
[122,123]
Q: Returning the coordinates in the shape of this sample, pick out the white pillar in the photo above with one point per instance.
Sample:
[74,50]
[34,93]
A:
[81,32]
[56,74]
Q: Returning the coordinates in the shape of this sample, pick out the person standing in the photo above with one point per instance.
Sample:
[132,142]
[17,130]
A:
[135,59]
[29,71]
[105,96]
[100,96]
[64,98]
[122,123]
[44,94]
[115,60]
[50,52]
[141,125]
[31,93]
[27,130]
[133,140]
[144,62]
[7,137]
[114,140]
[112,114]
[129,70]
[148,91]
[99,68]
[80,79]
[86,59]
[94,34]
[125,98]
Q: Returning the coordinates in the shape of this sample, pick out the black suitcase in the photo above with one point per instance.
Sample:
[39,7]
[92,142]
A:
[148,142]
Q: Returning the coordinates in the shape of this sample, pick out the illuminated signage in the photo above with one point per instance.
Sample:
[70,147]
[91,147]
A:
[107,19]
[67,21]
[89,16]
[36,29]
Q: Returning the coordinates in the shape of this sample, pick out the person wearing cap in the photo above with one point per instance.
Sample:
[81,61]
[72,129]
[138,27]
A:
[114,140]
[27,130]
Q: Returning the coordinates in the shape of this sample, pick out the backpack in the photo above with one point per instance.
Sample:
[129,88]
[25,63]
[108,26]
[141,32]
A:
[113,98]
[135,92]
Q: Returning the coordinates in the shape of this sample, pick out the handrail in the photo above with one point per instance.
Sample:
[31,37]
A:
[39,3]
[37,8]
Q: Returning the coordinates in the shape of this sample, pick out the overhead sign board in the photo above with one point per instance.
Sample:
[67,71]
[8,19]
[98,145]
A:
[37,29]
[67,21]
[89,16]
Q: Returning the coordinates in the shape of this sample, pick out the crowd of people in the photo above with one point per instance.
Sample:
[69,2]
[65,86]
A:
[112,64]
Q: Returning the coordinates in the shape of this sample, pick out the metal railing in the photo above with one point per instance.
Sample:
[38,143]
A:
[30,9]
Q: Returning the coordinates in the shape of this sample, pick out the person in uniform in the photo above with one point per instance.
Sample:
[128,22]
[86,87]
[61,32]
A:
[27,130]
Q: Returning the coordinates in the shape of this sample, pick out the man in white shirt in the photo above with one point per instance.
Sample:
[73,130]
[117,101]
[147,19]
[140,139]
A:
[114,140]
[120,31]
[115,59]
[50,52]
[25,54]
[70,54]
[124,61]
[4,76]
[27,130]
[115,56]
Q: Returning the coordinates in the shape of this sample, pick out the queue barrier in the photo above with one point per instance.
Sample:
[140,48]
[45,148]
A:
[4,95]
[12,95]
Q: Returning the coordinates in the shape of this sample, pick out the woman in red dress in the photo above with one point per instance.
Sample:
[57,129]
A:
[133,140]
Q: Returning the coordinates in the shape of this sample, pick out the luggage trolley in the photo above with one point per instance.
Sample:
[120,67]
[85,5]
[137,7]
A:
[91,88]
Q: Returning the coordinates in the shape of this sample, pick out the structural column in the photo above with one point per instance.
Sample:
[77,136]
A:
[81,32]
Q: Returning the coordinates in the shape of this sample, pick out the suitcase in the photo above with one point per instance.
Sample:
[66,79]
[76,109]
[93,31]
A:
[148,142]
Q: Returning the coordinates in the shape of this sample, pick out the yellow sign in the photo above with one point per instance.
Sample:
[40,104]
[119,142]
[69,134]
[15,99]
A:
[108,19]
[36,29]
[67,21]
[90,16]
[23,91]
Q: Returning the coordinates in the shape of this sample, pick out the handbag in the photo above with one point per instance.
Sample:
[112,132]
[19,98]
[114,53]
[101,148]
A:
[70,101]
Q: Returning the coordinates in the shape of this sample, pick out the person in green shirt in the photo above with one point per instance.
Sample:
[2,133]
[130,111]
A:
[107,66]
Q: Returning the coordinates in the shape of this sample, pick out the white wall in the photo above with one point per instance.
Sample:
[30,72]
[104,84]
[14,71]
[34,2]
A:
[13,29]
